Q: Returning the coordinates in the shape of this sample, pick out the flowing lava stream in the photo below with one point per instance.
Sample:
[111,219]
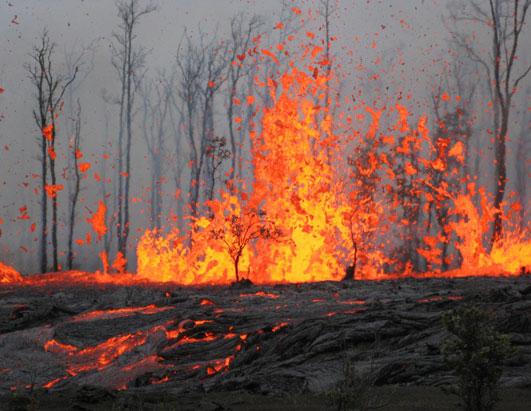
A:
[101,356]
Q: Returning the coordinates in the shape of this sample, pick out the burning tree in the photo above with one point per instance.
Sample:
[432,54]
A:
[363,213]
[449,163]
[240,230]
[406,191]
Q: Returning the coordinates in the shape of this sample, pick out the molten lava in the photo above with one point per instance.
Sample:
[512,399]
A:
[372,189]
[9,275]
[328,217]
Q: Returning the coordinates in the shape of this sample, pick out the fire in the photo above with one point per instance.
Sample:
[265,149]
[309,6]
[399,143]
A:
[324,221]
[375,189]
[9,275]
[294,189]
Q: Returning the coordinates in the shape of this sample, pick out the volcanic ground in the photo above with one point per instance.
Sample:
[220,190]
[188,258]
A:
[96,343]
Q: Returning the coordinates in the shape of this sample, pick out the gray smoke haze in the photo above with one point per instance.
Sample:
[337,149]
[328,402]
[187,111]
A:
[408,30]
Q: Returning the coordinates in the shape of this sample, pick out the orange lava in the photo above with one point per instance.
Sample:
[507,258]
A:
[332,184]
[9,275]
[219,365]
[261,294]
[119,312]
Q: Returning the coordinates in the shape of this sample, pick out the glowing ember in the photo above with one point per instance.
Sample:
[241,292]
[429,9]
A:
[261,294]
[219,365]
[437,298]
[278,327]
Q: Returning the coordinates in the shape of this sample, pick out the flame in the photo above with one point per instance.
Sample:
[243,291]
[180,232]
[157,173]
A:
[327,218]
[294,189]
[331,185]
[9,275]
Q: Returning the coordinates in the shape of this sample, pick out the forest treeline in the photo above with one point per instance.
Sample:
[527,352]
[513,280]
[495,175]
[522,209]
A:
[190,122]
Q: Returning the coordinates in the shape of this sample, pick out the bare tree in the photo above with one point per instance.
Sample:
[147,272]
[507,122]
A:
[190,64]
[242,31]
[81,58]
[201,75]
[75,149]
[522,162]
[505,19]
[156,97]
[213,79]
[178,161]
[128,61]
[50,88]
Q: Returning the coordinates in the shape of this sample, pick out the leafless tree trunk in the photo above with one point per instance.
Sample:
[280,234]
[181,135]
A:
[212,145]
[75,154]
[35,71]
[156,104]
[190,63]
[128,61]
[522,163]
[83,59]
[111,218]
[177,123]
